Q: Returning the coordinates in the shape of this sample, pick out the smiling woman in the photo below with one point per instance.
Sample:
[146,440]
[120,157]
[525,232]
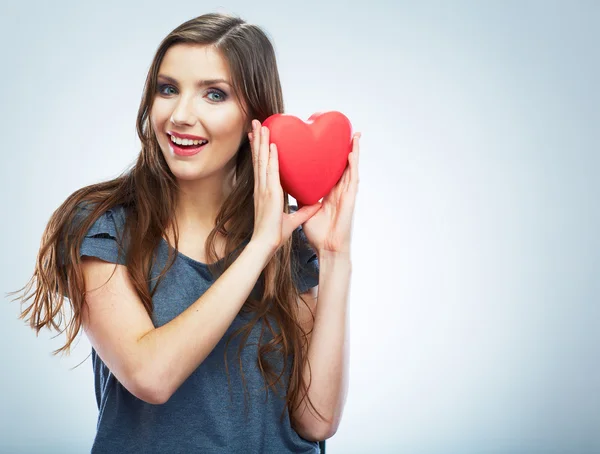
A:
[192,276]
[195,102]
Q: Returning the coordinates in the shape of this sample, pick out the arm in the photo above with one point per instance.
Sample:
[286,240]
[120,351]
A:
[328,348]
[153,362]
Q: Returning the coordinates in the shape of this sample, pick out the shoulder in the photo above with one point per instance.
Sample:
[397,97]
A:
[110,221]
[105,234]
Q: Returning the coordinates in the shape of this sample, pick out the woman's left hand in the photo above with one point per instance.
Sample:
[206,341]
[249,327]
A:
[330,228]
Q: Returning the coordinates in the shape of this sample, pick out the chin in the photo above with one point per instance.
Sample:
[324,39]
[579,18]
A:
[187,172]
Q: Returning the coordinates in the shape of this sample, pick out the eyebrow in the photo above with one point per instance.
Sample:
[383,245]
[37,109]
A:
[200,83]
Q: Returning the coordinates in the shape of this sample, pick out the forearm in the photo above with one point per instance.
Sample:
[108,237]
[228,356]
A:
[328,351]
[173,351]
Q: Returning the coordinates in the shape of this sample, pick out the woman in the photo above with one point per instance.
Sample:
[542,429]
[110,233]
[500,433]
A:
[192,277]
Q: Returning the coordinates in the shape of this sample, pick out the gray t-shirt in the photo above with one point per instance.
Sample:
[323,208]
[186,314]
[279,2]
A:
[202,416]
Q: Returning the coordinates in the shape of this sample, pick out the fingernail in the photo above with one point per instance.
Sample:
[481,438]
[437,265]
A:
[263,129]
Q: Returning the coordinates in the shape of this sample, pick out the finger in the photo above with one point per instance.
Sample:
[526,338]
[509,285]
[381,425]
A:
[308,211]
[255,139]
[345,179]
[349,172]
[334,192]
[251,142]
[354,161]
[255,145]
[263,155]
[304,214]
[273,169]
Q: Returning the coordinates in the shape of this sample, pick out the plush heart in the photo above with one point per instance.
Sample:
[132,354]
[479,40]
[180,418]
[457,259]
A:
[312,154]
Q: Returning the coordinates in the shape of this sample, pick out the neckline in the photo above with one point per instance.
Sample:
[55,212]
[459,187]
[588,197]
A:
[189,259]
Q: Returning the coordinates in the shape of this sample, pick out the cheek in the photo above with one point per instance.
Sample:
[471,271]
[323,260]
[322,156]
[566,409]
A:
[153,124]
[226,124]
[160,113]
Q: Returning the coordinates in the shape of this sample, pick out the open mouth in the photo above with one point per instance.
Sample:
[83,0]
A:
[188,147]
[186,143]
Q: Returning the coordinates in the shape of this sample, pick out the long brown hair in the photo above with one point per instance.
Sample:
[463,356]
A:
[148,190]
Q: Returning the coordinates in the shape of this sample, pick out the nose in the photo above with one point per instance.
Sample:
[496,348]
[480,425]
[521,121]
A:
[184,114]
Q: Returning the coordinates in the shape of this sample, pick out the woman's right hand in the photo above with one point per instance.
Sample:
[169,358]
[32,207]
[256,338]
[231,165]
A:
[272,227]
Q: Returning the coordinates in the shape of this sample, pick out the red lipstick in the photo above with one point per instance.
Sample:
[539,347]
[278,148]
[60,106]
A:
[185,150]
[185,136]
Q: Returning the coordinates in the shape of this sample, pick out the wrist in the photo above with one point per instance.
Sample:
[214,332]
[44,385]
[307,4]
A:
[338,263]
[323,254]
[261,248]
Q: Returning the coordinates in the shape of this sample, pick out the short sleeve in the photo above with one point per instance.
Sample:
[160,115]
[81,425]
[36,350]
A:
[103,238]
[305,268]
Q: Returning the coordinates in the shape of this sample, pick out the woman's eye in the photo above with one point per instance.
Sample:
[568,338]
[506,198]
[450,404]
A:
[217,95]
[162,87]
[214,94]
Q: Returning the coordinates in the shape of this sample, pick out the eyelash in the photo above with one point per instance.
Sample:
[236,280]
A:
[210,90]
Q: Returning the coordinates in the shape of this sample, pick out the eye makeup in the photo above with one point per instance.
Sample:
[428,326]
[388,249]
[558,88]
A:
[222,94]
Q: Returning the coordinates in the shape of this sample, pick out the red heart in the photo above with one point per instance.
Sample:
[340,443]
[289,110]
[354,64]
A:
[313,154]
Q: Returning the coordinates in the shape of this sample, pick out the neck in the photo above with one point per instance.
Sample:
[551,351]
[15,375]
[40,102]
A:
[199,201]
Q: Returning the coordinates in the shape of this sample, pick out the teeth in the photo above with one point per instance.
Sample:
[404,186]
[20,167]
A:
[179,141]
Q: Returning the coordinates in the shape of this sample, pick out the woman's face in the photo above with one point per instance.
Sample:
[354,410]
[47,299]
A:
[194,97]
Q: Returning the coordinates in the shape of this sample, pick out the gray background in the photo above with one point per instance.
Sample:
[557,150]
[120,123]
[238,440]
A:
[474,306]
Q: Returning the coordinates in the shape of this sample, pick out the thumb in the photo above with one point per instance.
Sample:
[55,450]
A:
[306,212]
[297,218]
